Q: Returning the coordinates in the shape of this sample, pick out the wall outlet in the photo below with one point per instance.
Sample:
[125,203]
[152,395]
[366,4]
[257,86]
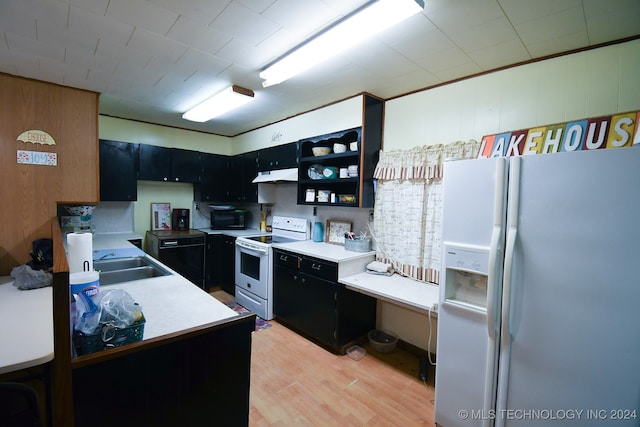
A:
[196,206]
[371,216]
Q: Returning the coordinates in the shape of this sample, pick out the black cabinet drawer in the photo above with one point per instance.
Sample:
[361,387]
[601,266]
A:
[286,259]
[321,269]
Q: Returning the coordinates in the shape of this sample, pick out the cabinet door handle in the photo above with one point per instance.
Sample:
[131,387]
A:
[316,267]
[303,280]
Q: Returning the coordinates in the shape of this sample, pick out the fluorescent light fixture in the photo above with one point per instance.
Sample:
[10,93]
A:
[346,33]
[227,100]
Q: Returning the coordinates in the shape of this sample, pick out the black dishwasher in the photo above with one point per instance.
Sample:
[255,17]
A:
[182,251]
[309,300]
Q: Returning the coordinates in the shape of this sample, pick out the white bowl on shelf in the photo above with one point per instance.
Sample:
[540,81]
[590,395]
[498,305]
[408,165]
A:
[320,151]
[339,148]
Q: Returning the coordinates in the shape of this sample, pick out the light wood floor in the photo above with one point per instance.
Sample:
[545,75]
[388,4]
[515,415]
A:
[294,382]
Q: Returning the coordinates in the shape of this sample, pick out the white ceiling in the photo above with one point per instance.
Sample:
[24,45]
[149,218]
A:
[152,59]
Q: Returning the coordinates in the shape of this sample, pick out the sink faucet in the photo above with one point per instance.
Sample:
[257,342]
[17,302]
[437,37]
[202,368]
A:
[106,255]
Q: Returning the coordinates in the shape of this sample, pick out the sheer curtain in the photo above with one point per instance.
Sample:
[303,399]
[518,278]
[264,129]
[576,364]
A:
[408,207]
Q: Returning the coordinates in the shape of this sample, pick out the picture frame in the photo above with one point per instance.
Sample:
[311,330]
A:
[161,216]
[335,230]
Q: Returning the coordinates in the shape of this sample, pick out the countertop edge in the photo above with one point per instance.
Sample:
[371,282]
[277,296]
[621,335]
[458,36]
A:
[418,296]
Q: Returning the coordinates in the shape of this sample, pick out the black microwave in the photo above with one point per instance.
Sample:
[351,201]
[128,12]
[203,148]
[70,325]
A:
[228,219]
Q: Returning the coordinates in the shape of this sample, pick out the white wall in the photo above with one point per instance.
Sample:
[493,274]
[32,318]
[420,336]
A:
[588,84]
[342,115]
[582,85]
[145,133]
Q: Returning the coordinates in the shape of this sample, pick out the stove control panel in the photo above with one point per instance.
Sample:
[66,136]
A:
[298,225]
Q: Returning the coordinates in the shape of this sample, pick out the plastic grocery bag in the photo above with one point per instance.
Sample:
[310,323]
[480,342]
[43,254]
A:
[119,308]
[113,307]
[24,277]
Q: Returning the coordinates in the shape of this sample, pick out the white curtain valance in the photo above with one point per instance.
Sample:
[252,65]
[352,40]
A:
[422,162]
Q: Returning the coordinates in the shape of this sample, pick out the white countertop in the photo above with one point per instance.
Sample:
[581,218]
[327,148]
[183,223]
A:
[169,303]
[322,250]
[172,304]
[26,333]
[409,293]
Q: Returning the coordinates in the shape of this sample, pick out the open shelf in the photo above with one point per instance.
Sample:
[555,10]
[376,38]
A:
[359,154]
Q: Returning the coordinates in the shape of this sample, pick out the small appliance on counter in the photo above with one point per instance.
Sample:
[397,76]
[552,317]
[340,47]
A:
[180,219]
[228,218]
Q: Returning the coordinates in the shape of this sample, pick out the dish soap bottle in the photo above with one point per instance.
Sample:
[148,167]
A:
[318,234]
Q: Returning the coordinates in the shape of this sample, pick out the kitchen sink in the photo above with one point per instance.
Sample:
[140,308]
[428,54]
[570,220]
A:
[127,269]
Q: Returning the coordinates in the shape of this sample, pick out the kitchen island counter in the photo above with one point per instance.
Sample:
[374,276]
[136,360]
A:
[192,365]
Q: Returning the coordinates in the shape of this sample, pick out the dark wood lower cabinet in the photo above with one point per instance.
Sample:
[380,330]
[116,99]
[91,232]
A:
[201,380]
[309,299]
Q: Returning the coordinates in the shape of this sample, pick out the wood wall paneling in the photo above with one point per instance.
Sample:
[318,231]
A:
[30,193]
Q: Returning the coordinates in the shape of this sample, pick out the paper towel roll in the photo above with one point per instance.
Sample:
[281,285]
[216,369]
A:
[80,252]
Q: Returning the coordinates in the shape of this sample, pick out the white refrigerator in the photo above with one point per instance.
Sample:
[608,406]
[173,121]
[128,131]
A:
[539,312]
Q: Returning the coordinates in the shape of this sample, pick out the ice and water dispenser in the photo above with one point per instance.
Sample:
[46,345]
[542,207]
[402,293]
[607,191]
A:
[466,276]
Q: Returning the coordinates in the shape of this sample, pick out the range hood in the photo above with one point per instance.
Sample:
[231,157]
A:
[281,175]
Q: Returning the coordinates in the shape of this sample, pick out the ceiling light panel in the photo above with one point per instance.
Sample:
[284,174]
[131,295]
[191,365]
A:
[345,34]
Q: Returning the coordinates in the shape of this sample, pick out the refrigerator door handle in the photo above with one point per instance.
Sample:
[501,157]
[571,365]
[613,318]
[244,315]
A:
[505,331]
[491,282]
[512,232]
[506,290]
[495,249]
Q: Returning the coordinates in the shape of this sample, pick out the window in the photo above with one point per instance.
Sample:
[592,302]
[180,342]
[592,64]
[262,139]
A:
[408,207]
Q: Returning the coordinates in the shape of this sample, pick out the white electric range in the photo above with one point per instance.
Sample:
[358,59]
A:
[254,263]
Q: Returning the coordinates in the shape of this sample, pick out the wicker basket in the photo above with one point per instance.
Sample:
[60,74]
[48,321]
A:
[107,336]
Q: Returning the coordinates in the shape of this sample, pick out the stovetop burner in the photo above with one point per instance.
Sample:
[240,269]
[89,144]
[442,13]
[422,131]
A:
[268,239]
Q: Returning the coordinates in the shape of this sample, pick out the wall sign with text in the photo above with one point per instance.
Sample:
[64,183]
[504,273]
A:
[615,131]
[36,136]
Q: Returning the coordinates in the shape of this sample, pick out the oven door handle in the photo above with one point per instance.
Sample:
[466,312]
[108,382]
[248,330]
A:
[252,248]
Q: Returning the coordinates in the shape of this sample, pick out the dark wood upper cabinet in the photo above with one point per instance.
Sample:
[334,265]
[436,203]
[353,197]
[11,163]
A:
[278,157]
[169,164]
[155,163]
[243,171]
[214,183]
[118,171]
[186,165]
